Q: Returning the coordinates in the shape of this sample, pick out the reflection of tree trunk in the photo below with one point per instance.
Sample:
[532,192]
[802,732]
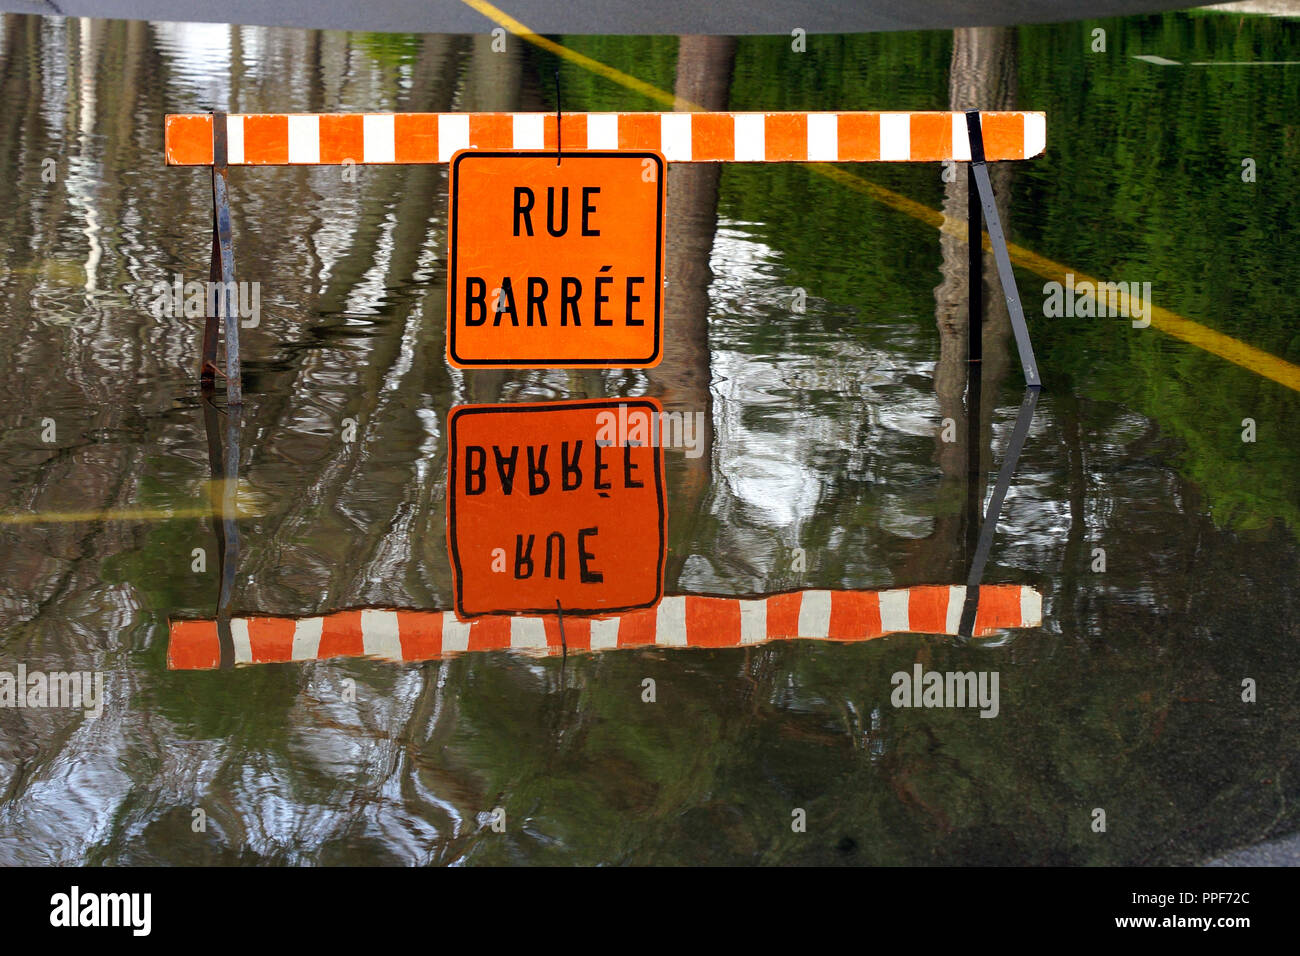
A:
[14,76]
[105,476]
[984,70]
[418,188]
[20,78]
[682,380]
[315,75]
[236,66]
[492,82]
[1070,613]
[982,76]
[437,62]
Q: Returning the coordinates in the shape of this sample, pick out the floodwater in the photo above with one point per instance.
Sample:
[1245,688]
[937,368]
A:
[821,333]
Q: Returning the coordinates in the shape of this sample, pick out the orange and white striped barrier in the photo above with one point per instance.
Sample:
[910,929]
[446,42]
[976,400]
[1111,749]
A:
[311,139]
[683,621]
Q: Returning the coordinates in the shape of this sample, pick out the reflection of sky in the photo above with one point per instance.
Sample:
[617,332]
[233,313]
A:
[201,66]
[829,442]
[198,57]
[796,415]
[55,73]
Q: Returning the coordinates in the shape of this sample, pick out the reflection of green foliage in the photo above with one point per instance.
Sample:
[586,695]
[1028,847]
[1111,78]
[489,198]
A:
[837,244]
[649,58]
[1150,189]
[160,568]
[1157,167]
[248,705]
[1146,188]
[596,775]
[390,49]
[862,71]
[198,704]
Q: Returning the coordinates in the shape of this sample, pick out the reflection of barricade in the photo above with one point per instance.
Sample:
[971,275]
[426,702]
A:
[682,621]
[975,137]
[220,141]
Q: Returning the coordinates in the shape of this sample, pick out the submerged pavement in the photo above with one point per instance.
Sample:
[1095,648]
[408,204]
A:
[1283,852]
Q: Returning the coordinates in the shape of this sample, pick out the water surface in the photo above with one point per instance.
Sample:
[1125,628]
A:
[824,434]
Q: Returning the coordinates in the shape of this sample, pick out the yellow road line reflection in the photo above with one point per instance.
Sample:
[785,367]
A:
[249,505]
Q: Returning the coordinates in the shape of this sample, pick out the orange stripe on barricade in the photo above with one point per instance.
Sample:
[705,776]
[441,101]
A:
[855,615]
[637,628]
[712,622]
[341,139]
[639,131]
[783,614]
[927,609]
[999,608]
[421,634]
[310,139]
[193,645]
[931,137]
[490,634]
[680,621]
[577,633]
[415,138]
[265,139]
[271,639]
[573,126]
[188,140]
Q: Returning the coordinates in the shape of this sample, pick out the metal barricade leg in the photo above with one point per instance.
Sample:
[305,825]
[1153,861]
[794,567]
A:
[979,175]
[222,271]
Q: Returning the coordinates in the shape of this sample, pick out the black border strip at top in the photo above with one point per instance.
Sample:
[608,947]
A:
[453,551]
[542,362]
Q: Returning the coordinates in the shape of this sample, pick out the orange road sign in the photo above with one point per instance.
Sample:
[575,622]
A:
[556,501]
[555,264]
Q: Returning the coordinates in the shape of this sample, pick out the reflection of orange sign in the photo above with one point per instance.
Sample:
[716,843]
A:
[547,502]
[555,265]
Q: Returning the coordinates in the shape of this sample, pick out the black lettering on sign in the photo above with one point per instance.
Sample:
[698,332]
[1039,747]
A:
[631,298]
[506,474]
[538,299]
[570,293]
[554,536]
[524,198]
[550,211]
[475,295]
[588,209]
[505,304]
[601,298]
[585,575]
[538,479]
[475,475]
[523,210]
[562,472]
[523,557]
[628,468]
[538,291]
[555,561]
[569,467]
